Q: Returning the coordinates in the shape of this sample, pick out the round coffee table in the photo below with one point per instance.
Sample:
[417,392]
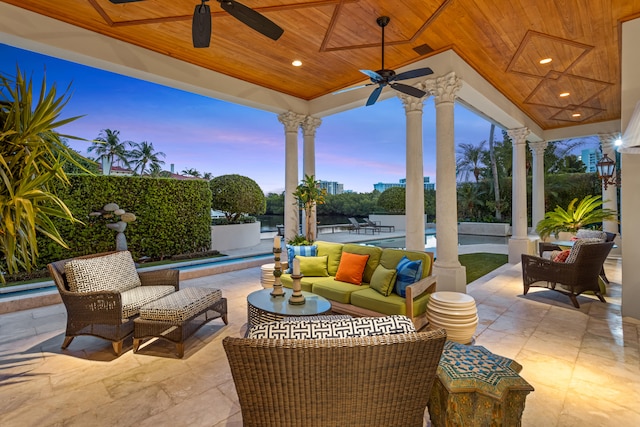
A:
[262,307]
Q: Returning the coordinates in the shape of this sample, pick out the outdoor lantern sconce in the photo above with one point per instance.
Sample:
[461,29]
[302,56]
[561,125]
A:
[607,172]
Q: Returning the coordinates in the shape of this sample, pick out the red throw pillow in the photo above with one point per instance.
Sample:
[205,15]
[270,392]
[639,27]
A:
[562,256]
[351,268]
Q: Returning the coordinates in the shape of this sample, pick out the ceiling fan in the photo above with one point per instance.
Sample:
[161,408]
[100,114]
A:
[384,77]
[201,26]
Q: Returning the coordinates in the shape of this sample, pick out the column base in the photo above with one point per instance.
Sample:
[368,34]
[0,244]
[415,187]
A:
[450,278]
[522,245]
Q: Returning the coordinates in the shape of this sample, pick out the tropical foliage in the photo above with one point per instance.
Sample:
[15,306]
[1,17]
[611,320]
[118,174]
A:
[32,157]
[110,149]
[587,212]
[235,196]
[308,194]
[144,155]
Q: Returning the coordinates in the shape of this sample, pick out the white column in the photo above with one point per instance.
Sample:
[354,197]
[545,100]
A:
[537,187]
[451,274]
[309,126]
[291,122]
[519,243]
[610,195]
[415,173]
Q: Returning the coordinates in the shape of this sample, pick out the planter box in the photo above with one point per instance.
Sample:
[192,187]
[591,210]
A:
[485,228]
[235,236]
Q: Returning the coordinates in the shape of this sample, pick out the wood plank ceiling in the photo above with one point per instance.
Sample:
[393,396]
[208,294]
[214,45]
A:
[503,40]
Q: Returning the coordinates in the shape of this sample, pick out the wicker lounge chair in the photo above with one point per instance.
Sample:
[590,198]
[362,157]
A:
[100,313]
[569,278]
[382,380]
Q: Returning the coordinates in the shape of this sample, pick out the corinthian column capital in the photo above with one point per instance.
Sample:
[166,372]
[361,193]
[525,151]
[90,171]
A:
[445,88]
[518,136]
[291,121]
[310,124]
[538,147]
[411,103]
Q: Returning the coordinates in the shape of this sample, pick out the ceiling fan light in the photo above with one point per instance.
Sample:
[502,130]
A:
[201,26]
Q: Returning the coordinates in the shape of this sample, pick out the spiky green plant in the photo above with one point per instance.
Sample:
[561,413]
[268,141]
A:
[587,212]
[32,156]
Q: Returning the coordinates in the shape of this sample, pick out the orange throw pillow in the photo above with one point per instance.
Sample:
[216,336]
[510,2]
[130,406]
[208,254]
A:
[351,268]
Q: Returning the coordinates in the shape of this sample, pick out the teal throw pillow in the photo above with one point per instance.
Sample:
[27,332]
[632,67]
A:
[383,280]
[293,250]
[409,272]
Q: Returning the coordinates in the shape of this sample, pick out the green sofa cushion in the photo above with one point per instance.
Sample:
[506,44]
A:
[306,283]
[333,251]
[313,265]
[393,304]
[383,280]
[335,290]
[391,257]
[374,253]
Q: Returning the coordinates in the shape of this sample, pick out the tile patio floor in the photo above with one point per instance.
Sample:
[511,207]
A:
[584,364]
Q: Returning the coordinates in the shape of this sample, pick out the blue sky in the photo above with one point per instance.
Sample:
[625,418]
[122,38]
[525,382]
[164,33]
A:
[357,148]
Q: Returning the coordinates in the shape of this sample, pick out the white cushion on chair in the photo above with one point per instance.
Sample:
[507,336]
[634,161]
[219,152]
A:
[113,272]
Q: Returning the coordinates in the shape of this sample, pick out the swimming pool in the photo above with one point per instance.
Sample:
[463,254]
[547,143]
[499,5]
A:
[430,241]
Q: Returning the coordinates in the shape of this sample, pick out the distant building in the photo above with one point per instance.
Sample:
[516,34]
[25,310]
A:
[120,171]
[590,157]
[332,187]
[381,186]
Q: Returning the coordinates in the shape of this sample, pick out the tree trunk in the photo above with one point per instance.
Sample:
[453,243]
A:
[494,172]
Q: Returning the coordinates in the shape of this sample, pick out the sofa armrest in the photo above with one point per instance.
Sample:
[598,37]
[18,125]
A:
[160,277]
[428,284]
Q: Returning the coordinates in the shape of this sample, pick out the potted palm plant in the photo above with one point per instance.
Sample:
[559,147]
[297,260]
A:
[308,194]
[588,211]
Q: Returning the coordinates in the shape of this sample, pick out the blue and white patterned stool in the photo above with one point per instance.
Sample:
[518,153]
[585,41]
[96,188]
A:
[475,387]
[179,315]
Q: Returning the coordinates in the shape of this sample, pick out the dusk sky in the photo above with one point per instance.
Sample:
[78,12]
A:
[357,148]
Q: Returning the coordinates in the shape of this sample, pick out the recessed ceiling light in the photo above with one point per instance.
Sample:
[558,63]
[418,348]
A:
[564,94]
[576,115]
[296,63]
[545,60]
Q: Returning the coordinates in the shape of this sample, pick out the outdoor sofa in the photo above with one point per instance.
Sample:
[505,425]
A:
[378,293]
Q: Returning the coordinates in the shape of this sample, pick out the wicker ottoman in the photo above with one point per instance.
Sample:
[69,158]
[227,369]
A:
[475,387]
[177,316]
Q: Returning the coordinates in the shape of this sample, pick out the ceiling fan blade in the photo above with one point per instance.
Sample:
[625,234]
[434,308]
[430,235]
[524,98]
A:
[375,77]
[201,26]
[253,19]
[374,95]
[123,1]
[409,90]
[418,72]
[349,89]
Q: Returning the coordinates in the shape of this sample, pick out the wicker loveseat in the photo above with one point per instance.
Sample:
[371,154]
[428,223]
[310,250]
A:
[365,299]
[380,380]
[105,293]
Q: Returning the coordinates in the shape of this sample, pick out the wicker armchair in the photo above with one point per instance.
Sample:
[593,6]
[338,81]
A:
[572,278]
[380,380]
[100,313]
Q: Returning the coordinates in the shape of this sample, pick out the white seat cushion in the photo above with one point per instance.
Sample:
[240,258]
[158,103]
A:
[134,299]
[113,272]
[180,306]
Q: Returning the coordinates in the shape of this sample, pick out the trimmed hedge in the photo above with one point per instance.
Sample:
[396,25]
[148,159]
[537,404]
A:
[172,217]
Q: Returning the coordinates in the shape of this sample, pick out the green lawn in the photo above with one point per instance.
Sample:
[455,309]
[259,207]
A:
[481,263]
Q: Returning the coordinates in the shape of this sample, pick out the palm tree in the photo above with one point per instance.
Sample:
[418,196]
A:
[144,154]
[108,147]
[470,160]
[191,172]
[308,194]
[208,176]
[494,172]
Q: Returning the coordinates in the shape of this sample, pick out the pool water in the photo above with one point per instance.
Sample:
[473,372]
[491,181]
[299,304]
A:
[430,241]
